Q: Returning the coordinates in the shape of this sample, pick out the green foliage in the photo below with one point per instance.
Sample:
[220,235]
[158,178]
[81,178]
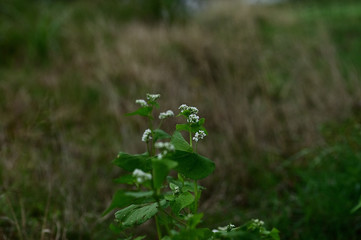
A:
[174,205]
[130,162]
[161,170]
[325,192]
[181,201]
[192,165]
[135,214]
[122,198]
[180,143]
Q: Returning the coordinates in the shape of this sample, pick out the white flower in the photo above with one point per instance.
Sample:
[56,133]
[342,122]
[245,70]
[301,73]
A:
[227,228]
[191,110]
[215,230]
[141,176]
[164,147]
[152,97]
[166,114]
[183,107]
[193,118]
[141,102]
[147,135]
[199,135]
[257,222]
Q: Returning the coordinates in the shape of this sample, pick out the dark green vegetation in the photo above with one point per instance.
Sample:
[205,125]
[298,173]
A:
[271,82]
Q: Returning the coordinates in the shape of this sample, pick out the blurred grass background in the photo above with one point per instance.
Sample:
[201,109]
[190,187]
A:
[279,86]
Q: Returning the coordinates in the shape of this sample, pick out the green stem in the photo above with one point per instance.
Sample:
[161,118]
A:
[155,190]
[190,138]
[160,124]
[158,228]
[196,197]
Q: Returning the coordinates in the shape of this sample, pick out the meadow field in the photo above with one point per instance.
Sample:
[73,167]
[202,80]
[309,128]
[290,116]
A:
[279,86]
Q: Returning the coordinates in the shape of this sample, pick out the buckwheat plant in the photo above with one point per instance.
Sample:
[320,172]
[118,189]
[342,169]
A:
[165,182]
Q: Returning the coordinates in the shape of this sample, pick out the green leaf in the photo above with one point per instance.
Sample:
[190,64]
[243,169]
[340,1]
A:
[192,165]
[126,179]
[182,201]
[275,234]
[136,214]
[131,162]
[160,134]
[125,211]
[182,127]
[161,168]
[180,143]
[122,199]
[195,220]
[169,197]
[143,111]
[139,194]
[201,121]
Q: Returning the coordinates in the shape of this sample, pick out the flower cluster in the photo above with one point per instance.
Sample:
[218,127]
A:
[164,148]
[227,228]
[141,102]
[166,114]
[152,97]
[187,109]
[190,113]
[193,118]
[141,176]
[147,135]
[258,222]
[199,135]
[255,224]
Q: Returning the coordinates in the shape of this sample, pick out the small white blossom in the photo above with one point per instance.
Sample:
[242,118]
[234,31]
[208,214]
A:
[193,118]
[164,147]
[152,97]
[166,114]
[141,102]
[160,156]
[215,230]
[256,223]
[141,176]
[191,110]
[199,135]
[183,107]
[227,228]
[147,135]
